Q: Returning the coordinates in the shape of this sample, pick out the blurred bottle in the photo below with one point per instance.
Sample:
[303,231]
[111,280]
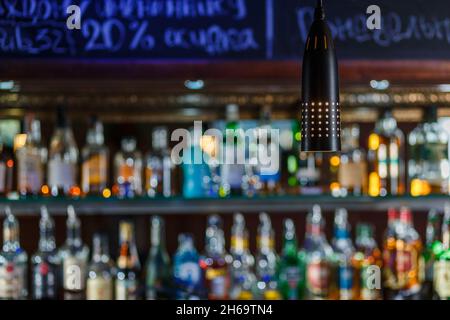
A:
[390,281]
[100,274]
[196,175]
[232,169]
[31,159]
[242,277]
[13,262]
[367,263]
[429,163]
[95,160]
[386,162]
[251,180]
[187,274]
[407,266]
[268,146]
[45,262]
[442,264]
[128,265]
[266,261]
[432,240]
[159,167]
[7,165]
[350,167]
[321,266]
[292,161]
[74,255]
[158,271]
[214,262]
[62,171]
[344,250]
[291,268]
[310,166]
[128,169]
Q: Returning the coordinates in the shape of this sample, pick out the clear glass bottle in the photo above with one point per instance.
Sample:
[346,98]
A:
[128,170]
[351,165]
[45,262]
[187,274]
[31,159]
[95,160]
[128,265]
[214,261]
[62,171]
[291,266]
[158,269]
[7,165]
[386,158]
[367,256]
[390,282]
[13,262]
[310,166]
[74,255]
[344,250]
[435,165]
[266,261]
[243,279]
[100,272]
[320,260]
[233,157]
[159,169]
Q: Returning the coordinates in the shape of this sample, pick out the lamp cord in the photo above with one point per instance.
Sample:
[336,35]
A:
[319,13]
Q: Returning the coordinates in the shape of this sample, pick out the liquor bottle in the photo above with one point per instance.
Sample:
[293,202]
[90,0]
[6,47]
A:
[232,169]
[100,274]
[268,146]
[74,255]
[95,160]
[128,265]
[310,166]
[196,174]
[251,179]
[158,276]
[433,174]
[187,275]
[266,261]
[13,261]
[407,266]
[242,277]
[45,262]
[390,281]
[128,169]
[386,162]
[291,267]
[214,261]
[442,264]
[432,240]
[31,160]
[159,167]
[63,159]
[344,250]
[416,141]
[292,161]
[367,264]
[350,166]
[320,262]
[7,164]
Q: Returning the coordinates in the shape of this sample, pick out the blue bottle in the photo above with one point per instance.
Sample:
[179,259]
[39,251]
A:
[188,276]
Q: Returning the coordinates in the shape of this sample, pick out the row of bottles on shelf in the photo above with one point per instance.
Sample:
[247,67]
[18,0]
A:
[345,270]
[379,171]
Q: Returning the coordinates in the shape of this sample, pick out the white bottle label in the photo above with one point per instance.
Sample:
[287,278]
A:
[61,174]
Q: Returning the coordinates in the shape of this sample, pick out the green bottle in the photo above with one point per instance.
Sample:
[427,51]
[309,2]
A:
[291,267]
[429,258]
[442,264]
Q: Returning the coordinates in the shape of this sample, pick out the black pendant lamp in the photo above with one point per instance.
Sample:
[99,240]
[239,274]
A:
[321,119]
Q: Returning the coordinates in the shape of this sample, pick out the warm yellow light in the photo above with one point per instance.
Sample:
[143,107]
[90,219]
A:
[374,141]
[335,161]
[106,193]
[19,141]
[209,145]
[45,190]
[374,184]
[335,186]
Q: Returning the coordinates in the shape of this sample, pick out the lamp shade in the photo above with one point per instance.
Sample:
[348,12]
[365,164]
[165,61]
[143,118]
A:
[320,108]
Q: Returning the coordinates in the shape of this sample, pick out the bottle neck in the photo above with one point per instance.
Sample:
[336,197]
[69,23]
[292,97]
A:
[47,241]
[100,252]
[33,132]
[157,239]
[74,236]
[95,136]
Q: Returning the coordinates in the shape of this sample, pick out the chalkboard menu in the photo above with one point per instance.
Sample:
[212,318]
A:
[219,29]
